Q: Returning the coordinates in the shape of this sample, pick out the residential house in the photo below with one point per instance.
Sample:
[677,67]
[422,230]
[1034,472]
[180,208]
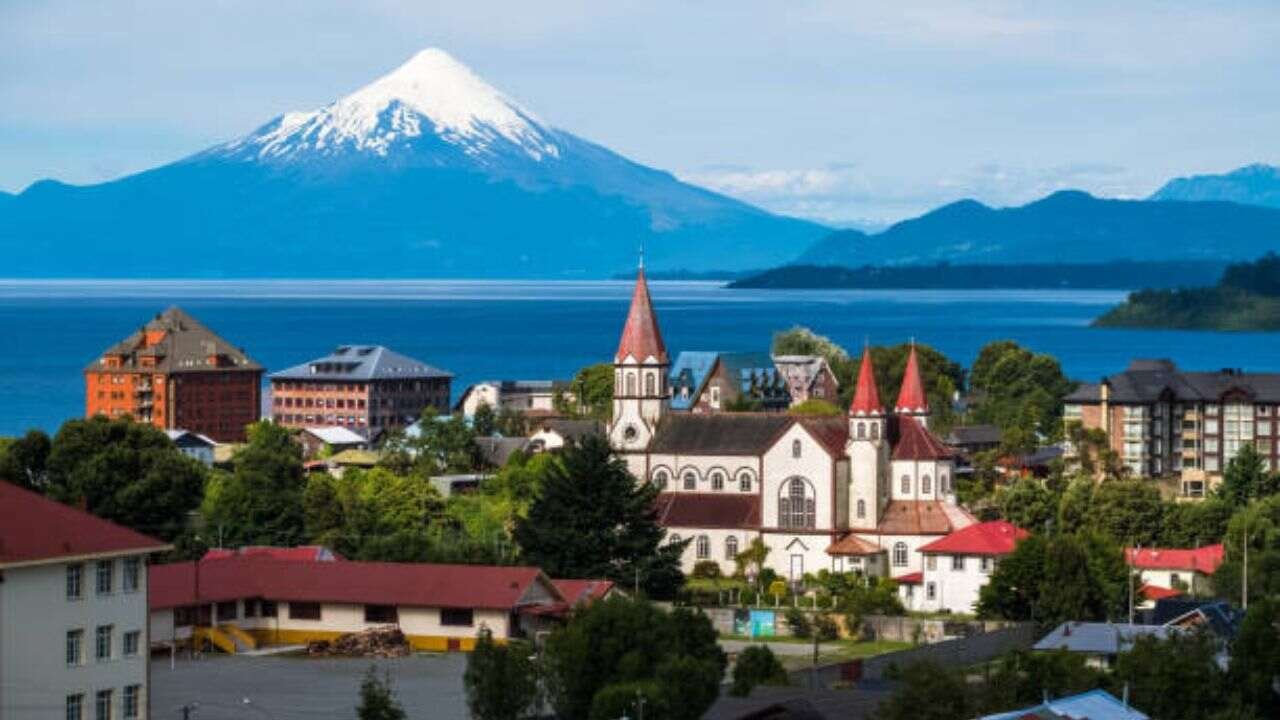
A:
[807,377]
[969,440]
[555,433]
[73,612]
[333,439]
[176,373]
[714,382]
[1175,570]
[1100,642]
[193,445]
[1092,705]
[531,397]
[957,567]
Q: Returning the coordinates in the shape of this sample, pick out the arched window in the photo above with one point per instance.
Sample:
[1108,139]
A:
[703,547]
[862,509]
[717,480]
[899,554]
[875,431]
[944,484]
[796,504]
[650,384]
[926,485]
[744,481]
[631,384]
[906,484]
[690,480]
[795,448]
[862,430]
[660,478]
[730,548]
[673,538]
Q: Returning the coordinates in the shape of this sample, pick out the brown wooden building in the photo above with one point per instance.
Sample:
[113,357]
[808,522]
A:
[175,373]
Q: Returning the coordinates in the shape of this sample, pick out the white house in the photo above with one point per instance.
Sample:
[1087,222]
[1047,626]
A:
[193,444]
[957,566]
[73,612]
[1167,572]
[854,492]
[527,396]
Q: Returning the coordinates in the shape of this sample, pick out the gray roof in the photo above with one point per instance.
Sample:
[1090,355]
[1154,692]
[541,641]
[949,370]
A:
[797,702]
[1099,638]
[572,430]
[1149,380]
[497,450]
[718,433]
[361,362]
[1093,705]
[973,435]
[186,346]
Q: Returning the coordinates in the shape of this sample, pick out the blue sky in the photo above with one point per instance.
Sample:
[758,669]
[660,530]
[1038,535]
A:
[846,112]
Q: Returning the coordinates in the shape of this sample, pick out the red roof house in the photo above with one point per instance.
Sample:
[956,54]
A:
[309,553]
[1202,560]
[997,537]
[35,530]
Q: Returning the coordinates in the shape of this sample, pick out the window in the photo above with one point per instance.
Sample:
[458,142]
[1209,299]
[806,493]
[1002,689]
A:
[796,504]
[957,562]
[862,430]
[251,608]
[690,480]
[102,705]
[930,562]
[102,647]
[926,485]
[673,539]
[717,480]
[931,591]
[862,509]
[730,548]
[703,547]
[304,611]
[131,641]
[744,481]
[899,554]
[75,581]
[75,707]
[944,484]
[457,617]
[875,431]
[660,479]
[715,396]
[795,448]
[650,385]
[269,608]
[132,701]
[227,610]
[631,384]
[75,647]
[106,569]
[381,614]
[984,564]
[906,484]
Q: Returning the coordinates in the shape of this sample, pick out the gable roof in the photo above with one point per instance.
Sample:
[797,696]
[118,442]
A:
[916,442]
[997,537]
[803,370]
[358,583]
[183,345]
[912,398]
[1146,380]
[1092,705]
[336,435]
[920,517]
[361,363]
[641,338]
[974,435]
[853,545]
[583,591]
[571,430]
[866,398]
[36,530]
[1203,560]
[708,510]
[689,372]
[187,437]
[718,433]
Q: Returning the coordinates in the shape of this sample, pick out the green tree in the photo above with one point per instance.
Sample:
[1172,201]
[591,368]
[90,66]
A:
[1074,505]
[929,691]
[1019,390]
[803,341]
[590,393]
[1021,678]
[1258,524]
[816,408]
[1193,524]
[1014,587]
[24,460]
[484,422]
[1175,678]
[624,640]
[501,681]
[756,665]
[511,422]
[126,472]
[595,520]
[444,444]
[624,699]
[370,514]
[1028,504]
[1052,578]
[1130,511]
[378,698]
[1255,658]
[1247,478]
[261,501]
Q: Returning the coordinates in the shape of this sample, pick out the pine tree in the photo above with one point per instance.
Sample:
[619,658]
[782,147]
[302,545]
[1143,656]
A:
[595,520]
[377,699]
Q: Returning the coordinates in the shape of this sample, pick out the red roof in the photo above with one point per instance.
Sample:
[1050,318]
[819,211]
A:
[853,545]
[357,583]
[300,553]
[911,398]
[914,578]
[1203,560]
[1155,592]
[830,432]
[583,591]
[866,399]
[915,442]
[641,338]
[997,537]
[920,517]
[708,510]
[35,529]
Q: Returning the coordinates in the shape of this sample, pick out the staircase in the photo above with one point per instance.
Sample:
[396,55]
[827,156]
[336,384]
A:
[243,640]
[216,638]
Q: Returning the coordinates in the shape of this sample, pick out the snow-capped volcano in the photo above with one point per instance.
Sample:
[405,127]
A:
[431,94]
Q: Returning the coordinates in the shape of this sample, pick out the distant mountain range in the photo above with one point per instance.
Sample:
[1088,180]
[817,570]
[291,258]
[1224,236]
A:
[426,172]
[1250,185]
[1066,227]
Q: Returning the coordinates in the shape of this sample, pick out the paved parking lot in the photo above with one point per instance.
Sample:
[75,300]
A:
[289,687]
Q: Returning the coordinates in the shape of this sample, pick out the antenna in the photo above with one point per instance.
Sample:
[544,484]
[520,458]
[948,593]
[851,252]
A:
[641,255]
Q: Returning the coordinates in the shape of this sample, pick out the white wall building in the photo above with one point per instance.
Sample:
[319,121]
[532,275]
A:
[73,612]
[957,566]
[1166,572]
[527,396]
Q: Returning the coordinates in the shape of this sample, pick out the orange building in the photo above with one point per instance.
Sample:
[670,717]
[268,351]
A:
[177,374]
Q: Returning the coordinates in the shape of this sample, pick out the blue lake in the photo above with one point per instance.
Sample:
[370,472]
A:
[509,329]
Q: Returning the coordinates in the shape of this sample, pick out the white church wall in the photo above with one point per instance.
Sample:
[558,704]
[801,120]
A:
[733,468]
[814,464]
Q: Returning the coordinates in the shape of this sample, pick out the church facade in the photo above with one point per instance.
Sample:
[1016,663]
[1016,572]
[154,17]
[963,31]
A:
[860,492]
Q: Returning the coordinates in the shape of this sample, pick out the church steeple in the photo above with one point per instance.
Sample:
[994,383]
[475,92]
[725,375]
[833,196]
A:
[640,367]
[641,338]
[911,398]
[866,398]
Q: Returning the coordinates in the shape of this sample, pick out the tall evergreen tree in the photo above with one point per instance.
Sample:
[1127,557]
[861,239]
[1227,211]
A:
[377,699]
[595,520]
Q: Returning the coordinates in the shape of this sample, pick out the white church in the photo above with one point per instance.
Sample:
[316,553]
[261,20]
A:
[860,492]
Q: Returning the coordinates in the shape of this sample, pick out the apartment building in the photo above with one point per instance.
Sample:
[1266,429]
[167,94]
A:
[73,612]
[175,373]
[366,388]
[1165,422]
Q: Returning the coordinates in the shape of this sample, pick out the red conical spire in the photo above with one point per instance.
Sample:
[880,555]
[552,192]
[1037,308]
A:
[641,338]
[866,399]
[912,398]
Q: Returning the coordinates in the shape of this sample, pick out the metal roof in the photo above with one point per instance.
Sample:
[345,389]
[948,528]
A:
[361,362]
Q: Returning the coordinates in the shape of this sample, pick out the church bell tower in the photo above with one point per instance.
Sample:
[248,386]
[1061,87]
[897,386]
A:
[640,367]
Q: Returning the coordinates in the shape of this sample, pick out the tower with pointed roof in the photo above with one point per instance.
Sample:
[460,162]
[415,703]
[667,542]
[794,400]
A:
[867,448]
[640,367]
[912,401]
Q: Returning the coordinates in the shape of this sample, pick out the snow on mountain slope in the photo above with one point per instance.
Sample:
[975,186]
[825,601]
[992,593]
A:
[432,94]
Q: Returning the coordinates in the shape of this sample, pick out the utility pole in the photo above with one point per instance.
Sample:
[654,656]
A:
[1244,580]
[639,705]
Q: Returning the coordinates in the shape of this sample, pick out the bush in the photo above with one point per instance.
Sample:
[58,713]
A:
[799,623]
[618,700]
[777,590]
[707,570]
[824,626]
[756,665]
[853,625]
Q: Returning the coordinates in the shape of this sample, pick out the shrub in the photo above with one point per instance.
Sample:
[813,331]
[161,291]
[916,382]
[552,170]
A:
[619,699]
[756,665]
[707,570]
[777,590]
[824,626]
[799,623]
